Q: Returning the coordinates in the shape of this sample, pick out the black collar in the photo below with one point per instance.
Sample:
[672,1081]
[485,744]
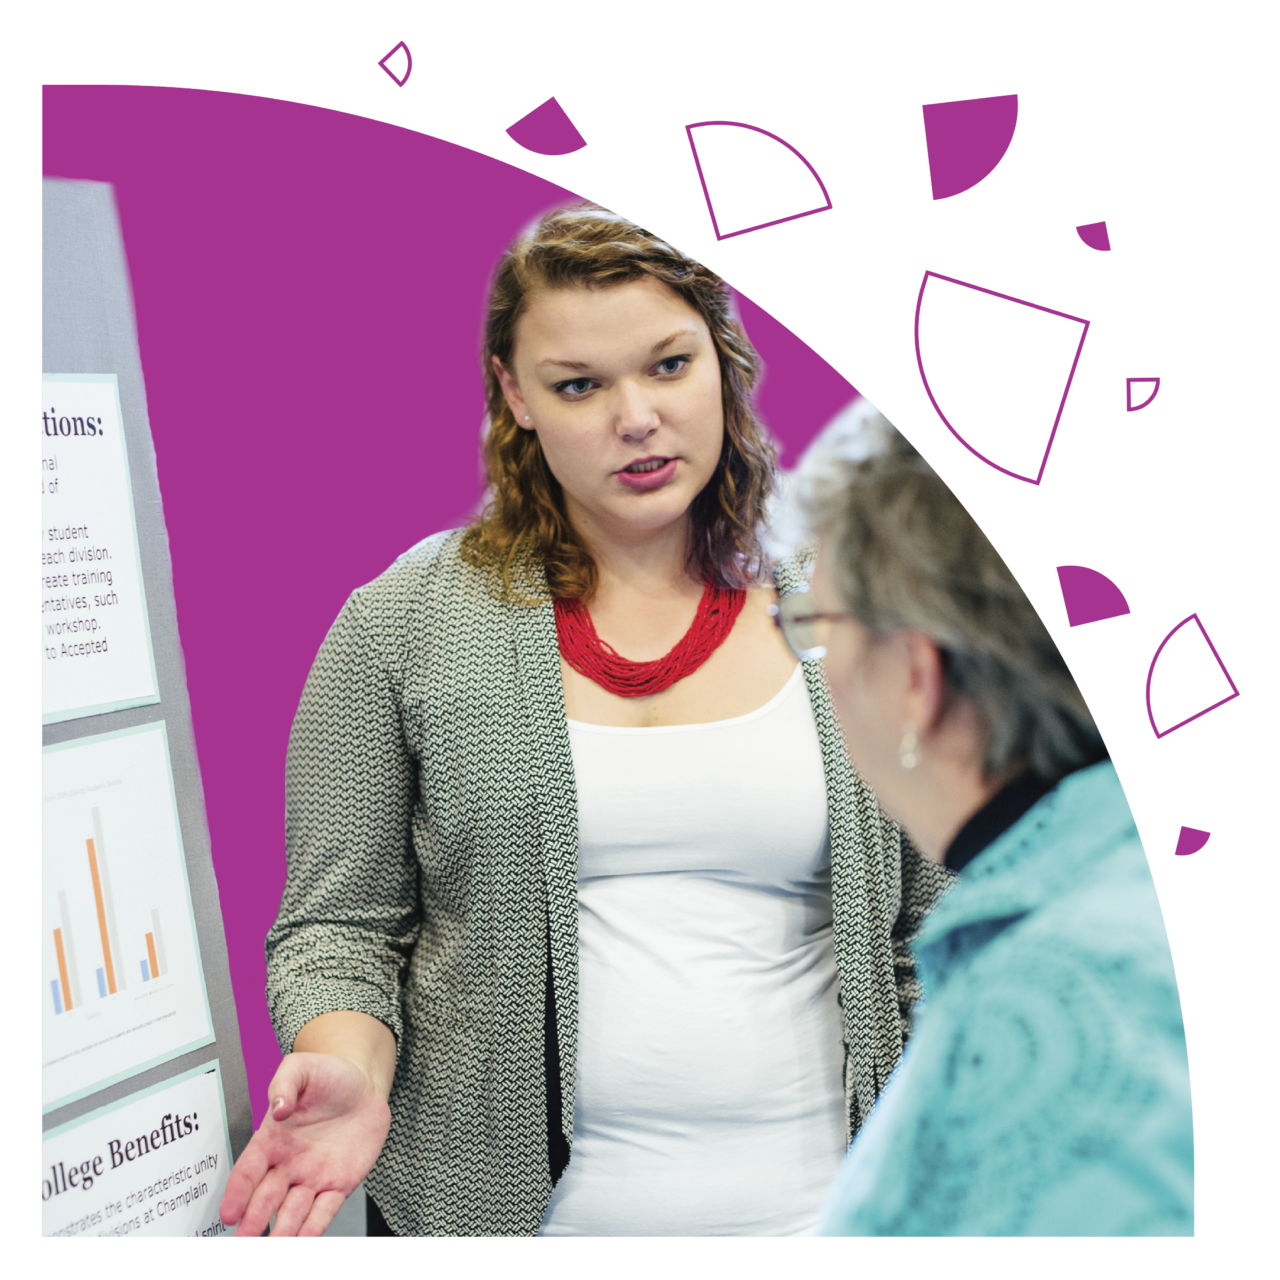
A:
[996,817]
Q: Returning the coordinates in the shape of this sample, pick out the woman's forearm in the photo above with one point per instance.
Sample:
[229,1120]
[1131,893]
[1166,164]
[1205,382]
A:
[356,1036]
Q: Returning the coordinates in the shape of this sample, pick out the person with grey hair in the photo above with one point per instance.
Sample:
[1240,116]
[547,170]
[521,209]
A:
[1045,1091]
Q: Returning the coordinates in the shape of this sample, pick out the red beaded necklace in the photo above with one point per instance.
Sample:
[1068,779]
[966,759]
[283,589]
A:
[590,656]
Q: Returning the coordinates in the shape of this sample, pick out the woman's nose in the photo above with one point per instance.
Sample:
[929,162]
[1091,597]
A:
[636,413]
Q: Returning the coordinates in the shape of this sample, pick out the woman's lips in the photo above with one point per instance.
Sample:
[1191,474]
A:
[648,479]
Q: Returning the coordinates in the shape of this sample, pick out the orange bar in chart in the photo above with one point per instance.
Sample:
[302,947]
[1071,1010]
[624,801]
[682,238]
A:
[102,920]
[62,968]
[151,955]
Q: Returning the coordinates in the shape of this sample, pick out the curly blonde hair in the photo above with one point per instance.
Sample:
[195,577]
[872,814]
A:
[524,516]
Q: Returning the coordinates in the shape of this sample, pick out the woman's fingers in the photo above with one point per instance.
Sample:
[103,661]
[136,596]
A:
[293,1211]
[282,1093]
[323,1133]
[264,1202]
[245,1175]
[266,1149]
[323,1210]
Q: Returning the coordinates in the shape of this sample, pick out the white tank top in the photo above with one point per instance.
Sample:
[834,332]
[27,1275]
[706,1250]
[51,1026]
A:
[710,1056]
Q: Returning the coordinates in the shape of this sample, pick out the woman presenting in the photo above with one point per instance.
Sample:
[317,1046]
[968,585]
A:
[589,927]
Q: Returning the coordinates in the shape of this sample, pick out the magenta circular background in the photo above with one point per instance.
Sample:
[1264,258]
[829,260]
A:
[309,289]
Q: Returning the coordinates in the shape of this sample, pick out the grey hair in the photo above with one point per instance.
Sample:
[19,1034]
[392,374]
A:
[906,555]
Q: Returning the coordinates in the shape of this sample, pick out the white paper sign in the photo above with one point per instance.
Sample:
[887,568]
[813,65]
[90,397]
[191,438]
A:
[95,637]
[122,987]
[153,1164]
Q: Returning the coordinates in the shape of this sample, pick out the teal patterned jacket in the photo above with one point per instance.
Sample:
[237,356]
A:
[1045,1091]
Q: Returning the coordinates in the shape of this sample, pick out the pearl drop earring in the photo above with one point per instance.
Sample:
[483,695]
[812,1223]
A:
[907,751]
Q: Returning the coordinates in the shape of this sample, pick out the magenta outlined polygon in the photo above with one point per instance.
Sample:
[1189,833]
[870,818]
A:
[737,124]
[1235,693]
[1065,391]
[408,71]
[1129,384]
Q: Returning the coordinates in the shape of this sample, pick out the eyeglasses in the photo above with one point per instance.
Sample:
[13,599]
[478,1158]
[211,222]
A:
[803,628]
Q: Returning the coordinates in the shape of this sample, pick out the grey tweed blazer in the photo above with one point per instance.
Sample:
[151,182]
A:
[432,883]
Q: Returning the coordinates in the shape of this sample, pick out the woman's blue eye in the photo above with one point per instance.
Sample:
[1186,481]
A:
[668,367]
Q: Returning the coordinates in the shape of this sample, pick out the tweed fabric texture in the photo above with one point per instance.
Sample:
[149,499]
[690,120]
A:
[431,828]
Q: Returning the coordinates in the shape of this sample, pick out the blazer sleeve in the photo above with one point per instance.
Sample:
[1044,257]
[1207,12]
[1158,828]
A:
[923,882]
[350,912]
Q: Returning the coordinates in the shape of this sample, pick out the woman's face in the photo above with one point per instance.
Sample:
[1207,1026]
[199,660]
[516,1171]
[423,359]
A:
[870,684]
[622,385]
[886,687]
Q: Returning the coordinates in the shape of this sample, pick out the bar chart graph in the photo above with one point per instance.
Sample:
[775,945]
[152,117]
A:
[110,974]
[123,983]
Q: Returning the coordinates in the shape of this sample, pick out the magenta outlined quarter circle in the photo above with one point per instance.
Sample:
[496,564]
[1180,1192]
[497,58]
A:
[1151,670]
[1130,383]
[408,57]
[706,194]
[1057,417]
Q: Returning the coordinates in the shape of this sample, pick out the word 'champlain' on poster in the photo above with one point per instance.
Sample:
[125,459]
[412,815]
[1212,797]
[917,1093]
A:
[95,637]
[122,987]
[153,1164]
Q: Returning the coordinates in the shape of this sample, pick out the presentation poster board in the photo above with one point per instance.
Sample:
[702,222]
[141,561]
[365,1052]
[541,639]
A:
[154,1163]
[125,782]
[123,985]
[96,640]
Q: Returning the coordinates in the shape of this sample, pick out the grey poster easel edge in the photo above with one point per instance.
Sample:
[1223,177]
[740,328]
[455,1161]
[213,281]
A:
[89,328]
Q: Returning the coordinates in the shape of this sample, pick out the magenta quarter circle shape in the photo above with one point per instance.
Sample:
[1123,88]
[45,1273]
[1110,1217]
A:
[924,378]
[966,140]
[408,63]
[1094,234]
[706,194]
[547,130]
[1151,670]
[1190,840]
[1090,596]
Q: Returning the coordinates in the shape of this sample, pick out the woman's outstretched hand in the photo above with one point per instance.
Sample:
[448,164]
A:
[327,1123]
